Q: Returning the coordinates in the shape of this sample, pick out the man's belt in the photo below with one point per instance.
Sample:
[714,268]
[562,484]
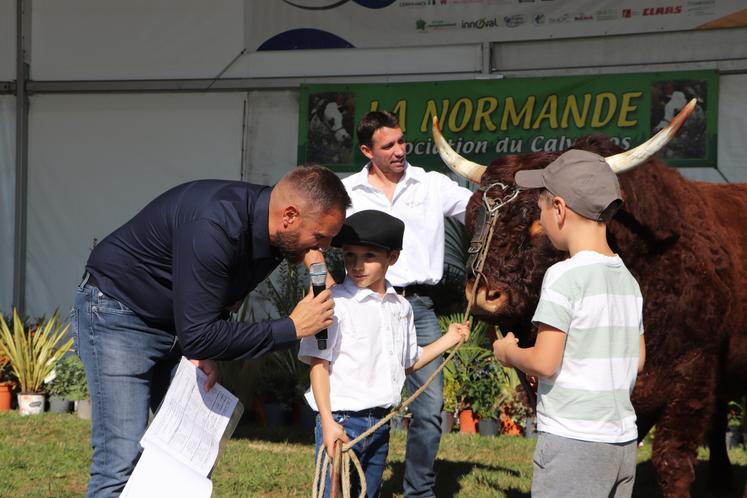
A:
[419,289]
[88,279]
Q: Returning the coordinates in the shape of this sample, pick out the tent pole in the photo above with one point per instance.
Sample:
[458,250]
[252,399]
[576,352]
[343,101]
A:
[23,24]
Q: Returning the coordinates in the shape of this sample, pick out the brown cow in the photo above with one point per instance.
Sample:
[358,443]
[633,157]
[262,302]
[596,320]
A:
[686,244]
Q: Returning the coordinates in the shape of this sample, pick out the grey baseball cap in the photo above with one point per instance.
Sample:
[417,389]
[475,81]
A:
[583,179]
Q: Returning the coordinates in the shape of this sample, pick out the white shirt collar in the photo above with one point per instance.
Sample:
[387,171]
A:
[361,294]
[412,174]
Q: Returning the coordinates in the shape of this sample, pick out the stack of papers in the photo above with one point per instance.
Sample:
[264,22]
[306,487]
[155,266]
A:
[181,445]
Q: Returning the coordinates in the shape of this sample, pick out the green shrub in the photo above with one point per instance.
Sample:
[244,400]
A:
[69,381]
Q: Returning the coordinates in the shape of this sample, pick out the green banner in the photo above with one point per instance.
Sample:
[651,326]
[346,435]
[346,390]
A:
[484,119]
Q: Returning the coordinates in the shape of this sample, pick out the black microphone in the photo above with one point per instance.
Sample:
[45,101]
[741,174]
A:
[318,274]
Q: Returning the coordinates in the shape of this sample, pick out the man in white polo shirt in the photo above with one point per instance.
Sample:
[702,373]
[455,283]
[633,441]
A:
[421,199]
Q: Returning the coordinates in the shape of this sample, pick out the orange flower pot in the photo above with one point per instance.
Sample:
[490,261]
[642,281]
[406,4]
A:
[6,393]
[509,427]
[467,422]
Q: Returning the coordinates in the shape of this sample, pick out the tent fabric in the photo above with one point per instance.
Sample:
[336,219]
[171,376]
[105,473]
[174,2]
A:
[7,197]
[135,39]
[272,135]
[95,160]
[7,41]
[732,122]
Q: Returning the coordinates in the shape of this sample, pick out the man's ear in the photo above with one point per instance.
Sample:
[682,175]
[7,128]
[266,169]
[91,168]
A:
[393,256]
[366,151]
[291,214]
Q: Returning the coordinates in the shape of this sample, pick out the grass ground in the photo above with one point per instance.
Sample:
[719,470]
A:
[48,456]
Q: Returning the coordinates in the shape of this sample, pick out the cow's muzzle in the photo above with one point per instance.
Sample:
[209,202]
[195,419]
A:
[488,300]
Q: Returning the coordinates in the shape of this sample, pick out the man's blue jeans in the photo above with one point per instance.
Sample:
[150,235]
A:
[371,452]
[129,367]
[424,434]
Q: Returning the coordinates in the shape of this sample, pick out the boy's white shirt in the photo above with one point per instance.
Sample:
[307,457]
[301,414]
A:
[370,344]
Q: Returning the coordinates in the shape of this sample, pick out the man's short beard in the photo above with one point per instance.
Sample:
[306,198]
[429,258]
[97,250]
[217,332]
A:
[288,245]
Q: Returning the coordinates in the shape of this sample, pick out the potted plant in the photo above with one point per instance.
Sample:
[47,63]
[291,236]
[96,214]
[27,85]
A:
[33,352]
[56,401]
[6,384]
[67,385]
[461,373]
[485,394]
[450,405]
[734,415]
[514,410]
[78,388]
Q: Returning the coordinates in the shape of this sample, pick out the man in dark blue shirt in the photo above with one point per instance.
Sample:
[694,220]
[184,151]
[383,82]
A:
[162,285]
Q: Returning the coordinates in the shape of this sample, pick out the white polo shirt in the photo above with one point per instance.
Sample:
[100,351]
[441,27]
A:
[370,344]
[421,200]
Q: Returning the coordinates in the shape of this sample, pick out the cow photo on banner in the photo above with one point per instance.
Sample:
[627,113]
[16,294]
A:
[330,128]
[669,97]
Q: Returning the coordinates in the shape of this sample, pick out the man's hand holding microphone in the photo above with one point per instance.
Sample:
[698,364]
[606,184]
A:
[313,314]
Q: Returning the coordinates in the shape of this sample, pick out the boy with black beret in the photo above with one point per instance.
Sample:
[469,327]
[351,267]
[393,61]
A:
[371,345]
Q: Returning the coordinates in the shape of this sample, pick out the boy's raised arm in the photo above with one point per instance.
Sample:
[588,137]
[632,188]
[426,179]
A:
[457,332]
[541,360]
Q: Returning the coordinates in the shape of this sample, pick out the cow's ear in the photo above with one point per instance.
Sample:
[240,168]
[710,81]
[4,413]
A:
[535,229]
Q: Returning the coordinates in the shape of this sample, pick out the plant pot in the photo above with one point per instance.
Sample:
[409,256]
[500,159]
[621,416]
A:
[6,397]
[30,404]
[509,427]
[488,426]
[58,404]
[733,437]
[530,429]
[83,407]
[467,422]
[447,422]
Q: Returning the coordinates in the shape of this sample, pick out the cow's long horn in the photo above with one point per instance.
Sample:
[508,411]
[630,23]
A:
[625,161]
[459,165]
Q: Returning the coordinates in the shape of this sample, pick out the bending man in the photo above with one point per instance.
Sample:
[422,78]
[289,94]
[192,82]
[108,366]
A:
[162,285]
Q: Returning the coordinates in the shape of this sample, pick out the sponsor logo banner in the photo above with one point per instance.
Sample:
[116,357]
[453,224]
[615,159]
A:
[485,119]
[297,24]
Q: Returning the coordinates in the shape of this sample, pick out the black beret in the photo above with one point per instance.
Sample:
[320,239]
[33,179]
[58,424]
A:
[371,228]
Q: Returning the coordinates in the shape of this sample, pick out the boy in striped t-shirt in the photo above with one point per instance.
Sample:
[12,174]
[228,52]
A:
[589,346]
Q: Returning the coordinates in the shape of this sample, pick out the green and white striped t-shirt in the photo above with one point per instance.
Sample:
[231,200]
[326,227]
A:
[597,302]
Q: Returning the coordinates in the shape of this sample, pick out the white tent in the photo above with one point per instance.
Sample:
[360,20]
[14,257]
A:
[126,98]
